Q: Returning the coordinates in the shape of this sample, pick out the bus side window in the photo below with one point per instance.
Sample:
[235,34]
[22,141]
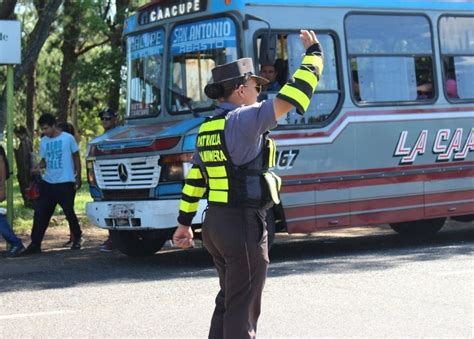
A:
[458,57]
[391,58]
[324,101]
[281,67]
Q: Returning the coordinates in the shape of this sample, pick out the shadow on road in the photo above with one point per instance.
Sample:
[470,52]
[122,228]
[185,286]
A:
[322,254]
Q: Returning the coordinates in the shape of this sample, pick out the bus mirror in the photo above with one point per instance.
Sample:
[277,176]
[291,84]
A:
[267,52]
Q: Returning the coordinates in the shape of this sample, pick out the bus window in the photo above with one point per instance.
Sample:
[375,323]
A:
[323,104]
[457,52]
[145,57]
[196,48]
[391,58]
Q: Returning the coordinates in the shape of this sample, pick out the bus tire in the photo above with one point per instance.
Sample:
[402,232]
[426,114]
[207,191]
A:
[270,220]
[418,228]
[463,218]
[139,243]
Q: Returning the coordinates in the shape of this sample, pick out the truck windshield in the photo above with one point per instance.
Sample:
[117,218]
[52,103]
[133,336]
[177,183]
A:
[145,57]
[196,48]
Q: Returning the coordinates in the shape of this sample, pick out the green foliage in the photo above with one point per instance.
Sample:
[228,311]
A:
[92,72]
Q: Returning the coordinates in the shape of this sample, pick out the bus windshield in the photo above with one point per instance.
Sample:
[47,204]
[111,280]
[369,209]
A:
[145,59]
[196,48]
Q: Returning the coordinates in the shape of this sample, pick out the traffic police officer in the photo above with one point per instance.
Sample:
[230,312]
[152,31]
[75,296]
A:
[231,162]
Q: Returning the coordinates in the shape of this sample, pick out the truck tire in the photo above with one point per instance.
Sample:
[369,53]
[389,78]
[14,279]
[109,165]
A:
[419,228]
[464,218]
[139,243]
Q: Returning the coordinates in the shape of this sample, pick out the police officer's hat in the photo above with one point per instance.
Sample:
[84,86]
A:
[108,113]
[231,72]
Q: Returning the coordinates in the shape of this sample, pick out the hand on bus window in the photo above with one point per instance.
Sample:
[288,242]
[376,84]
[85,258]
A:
[308,38]
[183,237]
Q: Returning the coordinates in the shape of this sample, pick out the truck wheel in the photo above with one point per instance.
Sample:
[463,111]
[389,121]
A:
[139,243]
[464,218]
[419,228]
[270,220]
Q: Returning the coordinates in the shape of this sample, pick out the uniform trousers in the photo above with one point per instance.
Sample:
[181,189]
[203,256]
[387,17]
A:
[237,240]
[61,194]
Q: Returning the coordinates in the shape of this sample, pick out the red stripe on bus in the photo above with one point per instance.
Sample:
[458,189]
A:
[377,203]
[434,166]
[287,188]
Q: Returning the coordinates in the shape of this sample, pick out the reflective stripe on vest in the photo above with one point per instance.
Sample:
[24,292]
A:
[300,89]
[211,149]
[227,182]
[193,191]
[187,207]
[194,173]
[271,152]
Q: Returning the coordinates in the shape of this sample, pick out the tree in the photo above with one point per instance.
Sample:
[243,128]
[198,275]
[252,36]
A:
[32,49]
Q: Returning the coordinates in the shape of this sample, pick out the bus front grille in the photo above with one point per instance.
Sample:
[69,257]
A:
[130,173]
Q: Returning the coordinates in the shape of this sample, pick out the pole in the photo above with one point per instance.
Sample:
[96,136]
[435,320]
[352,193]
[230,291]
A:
[10,143]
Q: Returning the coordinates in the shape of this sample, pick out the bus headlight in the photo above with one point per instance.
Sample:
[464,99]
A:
[90,173]
[174,167]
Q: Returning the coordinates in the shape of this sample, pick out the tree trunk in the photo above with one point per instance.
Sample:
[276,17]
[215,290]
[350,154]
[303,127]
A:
[117,45]
[72,14]
[30,100]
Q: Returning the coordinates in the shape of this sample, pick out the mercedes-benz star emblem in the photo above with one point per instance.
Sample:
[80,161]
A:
[122,172]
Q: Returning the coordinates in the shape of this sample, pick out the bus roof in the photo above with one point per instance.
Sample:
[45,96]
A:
[218,6]
[382,4]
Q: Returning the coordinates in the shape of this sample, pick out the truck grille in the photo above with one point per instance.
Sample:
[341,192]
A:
[142,172]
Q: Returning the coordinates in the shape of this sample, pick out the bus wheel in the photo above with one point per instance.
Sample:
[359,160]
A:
[270,220]
[464,218]
[418,228]
[139,243]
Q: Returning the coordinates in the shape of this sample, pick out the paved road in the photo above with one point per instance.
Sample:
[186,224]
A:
[344,284]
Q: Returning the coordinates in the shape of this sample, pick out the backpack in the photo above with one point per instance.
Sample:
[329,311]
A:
[5,160]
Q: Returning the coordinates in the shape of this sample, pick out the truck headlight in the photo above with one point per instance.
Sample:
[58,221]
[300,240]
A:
[90,173]
[174,167]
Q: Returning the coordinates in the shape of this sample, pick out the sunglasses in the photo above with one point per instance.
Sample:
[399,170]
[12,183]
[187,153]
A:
[258,88]
[105,119]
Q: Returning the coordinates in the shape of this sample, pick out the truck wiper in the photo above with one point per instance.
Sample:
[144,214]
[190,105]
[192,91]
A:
[183,100]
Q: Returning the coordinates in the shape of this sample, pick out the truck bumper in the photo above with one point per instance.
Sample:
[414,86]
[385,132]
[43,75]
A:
[137,215]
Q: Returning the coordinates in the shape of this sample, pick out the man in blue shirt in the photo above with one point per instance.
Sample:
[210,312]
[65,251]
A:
[61,179]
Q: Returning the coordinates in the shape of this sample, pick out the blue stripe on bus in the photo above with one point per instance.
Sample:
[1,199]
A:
[182,127]
[189,143]
[219,6]
[168,189]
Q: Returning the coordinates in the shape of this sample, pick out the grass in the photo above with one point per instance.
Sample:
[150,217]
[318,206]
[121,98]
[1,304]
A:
[23,216]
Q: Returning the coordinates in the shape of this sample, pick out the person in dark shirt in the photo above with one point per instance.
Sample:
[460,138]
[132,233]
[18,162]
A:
[270,73]
[108,118]
[231,163]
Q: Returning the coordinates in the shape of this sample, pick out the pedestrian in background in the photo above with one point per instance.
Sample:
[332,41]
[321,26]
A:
[231,162]
[5,229]
[108,118]
[61,179]
[68,128]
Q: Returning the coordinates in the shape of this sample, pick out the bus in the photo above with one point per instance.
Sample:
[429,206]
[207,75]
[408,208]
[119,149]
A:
[388,137]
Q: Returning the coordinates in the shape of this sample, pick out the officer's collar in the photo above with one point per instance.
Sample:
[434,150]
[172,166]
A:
[226,106]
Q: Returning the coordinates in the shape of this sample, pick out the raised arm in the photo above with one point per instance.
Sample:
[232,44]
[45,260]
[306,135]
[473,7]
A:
[298,91]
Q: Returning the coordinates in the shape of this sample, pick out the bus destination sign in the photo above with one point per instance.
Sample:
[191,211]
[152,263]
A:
[169,9]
